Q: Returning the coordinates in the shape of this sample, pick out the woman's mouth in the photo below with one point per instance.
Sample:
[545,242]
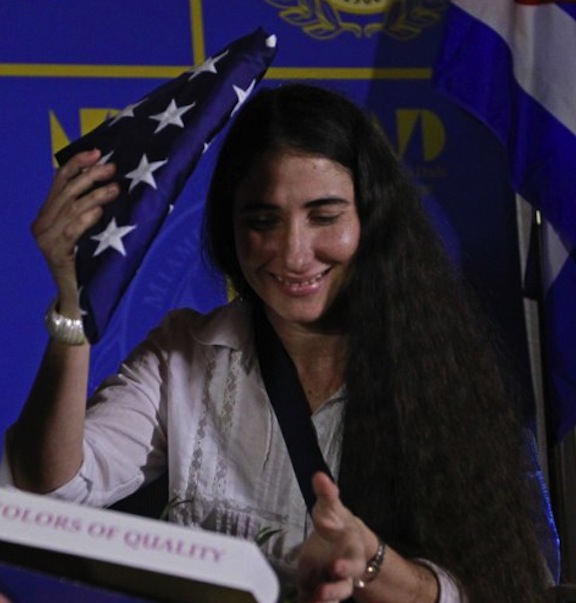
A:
[300,285]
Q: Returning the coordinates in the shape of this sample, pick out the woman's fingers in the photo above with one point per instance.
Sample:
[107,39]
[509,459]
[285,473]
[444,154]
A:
[65,175]
[73,205]
[84,214]
[334,554]
[338,590]
[324,486]
[329,514]
[74,184]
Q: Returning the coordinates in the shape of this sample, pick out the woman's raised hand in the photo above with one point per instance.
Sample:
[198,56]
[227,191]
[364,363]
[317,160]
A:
[80,188]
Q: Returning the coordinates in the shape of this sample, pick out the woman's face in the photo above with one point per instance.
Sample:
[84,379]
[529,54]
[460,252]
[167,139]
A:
[296,230]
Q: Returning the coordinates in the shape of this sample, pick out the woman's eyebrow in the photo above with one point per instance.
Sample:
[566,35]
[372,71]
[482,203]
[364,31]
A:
[313,203]
[322,201]
[257,206]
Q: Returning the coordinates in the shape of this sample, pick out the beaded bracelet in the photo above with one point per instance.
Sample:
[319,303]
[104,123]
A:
[68,331]
[373,566]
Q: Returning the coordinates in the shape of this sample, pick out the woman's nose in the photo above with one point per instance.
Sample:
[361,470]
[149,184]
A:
[296,248]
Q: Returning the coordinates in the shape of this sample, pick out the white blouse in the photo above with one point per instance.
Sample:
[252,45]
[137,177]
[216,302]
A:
[191,399]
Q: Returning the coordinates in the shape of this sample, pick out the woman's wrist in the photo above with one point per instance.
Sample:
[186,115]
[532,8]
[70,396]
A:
[64,328]
[374,554]
[397,577]
[373,566]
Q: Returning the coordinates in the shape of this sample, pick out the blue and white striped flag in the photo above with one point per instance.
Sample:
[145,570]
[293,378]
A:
[512,63]
[156,144]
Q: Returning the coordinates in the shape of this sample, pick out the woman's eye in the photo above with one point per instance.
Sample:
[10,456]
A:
[323,219]
[260,222]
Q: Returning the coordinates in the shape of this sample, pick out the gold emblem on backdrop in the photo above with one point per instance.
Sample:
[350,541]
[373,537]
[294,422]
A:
[326,19]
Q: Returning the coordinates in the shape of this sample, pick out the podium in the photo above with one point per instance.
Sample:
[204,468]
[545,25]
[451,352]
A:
[71,553]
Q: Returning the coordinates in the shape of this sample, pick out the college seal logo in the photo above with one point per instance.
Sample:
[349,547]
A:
[326,19]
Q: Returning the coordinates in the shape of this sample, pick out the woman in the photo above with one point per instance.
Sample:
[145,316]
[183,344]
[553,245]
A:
[320,230]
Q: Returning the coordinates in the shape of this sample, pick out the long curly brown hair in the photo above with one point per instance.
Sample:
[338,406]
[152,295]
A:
[432,458]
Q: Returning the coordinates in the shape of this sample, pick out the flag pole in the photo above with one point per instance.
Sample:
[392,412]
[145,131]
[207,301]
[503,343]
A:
[561,455]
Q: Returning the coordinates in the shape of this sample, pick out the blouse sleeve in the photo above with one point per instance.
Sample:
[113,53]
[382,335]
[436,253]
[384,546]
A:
[125,433]
[450,591]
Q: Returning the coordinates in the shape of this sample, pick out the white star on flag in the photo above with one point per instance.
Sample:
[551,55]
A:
[171,116]
[128,111]
[144,172]
[112,237]
[208,66]
[242,95]
[157,142]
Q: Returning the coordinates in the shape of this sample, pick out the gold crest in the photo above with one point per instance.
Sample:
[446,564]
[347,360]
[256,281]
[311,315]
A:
[326,19]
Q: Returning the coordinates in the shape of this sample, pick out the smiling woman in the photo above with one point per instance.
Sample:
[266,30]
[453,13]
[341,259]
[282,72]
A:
[423,494]
[296,231]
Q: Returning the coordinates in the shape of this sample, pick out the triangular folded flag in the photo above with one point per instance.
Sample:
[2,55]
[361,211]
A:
[156,143]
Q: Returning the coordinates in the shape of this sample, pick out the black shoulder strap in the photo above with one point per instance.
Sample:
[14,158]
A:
[290,405]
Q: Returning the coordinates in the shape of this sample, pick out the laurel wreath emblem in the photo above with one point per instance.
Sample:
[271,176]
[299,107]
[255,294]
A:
[402,20]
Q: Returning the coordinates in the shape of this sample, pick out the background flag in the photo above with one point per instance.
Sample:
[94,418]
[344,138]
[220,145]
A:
[512,64]
[155,144]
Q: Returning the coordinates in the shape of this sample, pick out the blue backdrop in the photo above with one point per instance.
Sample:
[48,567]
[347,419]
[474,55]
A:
[64,66]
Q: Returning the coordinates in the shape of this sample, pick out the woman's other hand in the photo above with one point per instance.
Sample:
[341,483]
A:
[336,551]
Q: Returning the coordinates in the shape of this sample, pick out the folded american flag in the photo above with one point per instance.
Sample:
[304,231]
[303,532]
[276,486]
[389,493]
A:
[156,144]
